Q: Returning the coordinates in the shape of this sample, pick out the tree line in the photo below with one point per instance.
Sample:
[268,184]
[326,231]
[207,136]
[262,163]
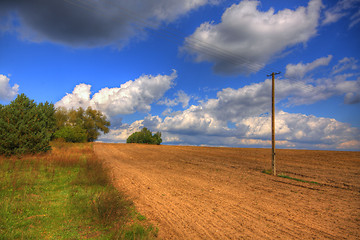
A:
[28,127]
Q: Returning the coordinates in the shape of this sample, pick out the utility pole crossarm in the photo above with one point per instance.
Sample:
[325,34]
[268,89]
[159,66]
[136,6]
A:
[273,162]
[270,75]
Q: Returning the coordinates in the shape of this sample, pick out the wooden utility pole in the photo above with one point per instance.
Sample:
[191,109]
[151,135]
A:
[273,162]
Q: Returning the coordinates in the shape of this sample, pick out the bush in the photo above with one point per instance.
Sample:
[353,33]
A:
[145,136]
[71,134]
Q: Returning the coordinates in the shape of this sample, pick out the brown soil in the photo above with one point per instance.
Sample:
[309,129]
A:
[221,193]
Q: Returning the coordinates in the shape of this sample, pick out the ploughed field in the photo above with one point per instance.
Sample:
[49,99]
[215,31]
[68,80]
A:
[221,193]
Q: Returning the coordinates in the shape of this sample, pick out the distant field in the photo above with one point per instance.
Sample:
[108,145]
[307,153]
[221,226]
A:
[221,193]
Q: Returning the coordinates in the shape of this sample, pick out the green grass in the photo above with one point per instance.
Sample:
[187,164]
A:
[297,179]
[269,172]
[65,194]
[141,217]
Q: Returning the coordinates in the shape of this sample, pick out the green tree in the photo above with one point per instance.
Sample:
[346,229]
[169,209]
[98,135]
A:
[157,138]
[145,136]
[61,116]
[26,127]
[49,120]
[92,121]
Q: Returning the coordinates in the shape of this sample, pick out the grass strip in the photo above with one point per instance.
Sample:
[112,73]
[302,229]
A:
[65,194]
[297,179]
[269,172]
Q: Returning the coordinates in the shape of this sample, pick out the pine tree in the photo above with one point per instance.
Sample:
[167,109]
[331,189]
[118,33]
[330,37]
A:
[26,127]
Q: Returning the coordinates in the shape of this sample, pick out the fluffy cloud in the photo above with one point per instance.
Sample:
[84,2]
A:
[300,93]
[90,23]
[341,9]
[300,128]
[194,121]
[80,97]
[7,92]
[180,98]
[255,99]
[195,127]
[238,117]
[247,38]
[297,90]
[120,134]
[352,144]
[123,131]
[130,97]
[299,70]
[250,100]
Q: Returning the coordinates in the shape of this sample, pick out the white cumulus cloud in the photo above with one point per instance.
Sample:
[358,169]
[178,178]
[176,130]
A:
[300,93]
[120,134]
[301,128]
[240,117]
[194,121]
[7,92]
[247,38]
[298,90]
[130,97]
[80,97]
[194,126]
[180,98]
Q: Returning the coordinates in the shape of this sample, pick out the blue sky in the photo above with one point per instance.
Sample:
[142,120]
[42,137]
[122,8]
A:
[196,70]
